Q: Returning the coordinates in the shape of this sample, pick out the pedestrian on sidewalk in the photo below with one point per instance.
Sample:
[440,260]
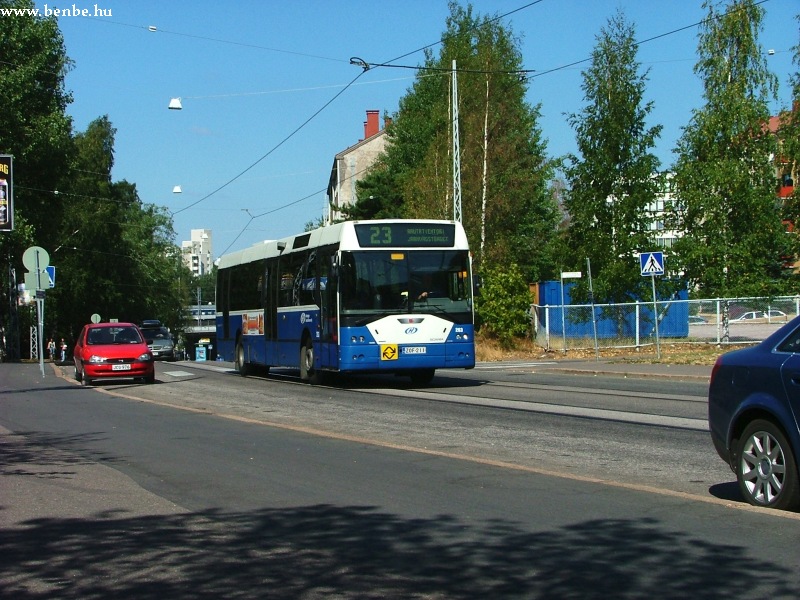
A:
[51,348]
[63,350]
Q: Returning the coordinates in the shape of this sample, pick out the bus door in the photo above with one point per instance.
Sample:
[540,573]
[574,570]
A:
[270,299]
[327,267]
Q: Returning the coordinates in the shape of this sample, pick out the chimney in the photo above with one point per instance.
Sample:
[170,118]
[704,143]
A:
[372,124]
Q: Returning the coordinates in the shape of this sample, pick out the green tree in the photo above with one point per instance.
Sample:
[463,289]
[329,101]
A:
[34,126]
[508,210]
[789,154]
[207,282]
[115,253]
[615,179]
[734,238]
[35,130]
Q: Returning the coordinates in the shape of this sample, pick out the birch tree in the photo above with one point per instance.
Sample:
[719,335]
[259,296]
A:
[614,180]
[507,206]
[734,241]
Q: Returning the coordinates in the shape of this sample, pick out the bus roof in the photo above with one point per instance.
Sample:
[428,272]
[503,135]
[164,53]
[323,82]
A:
[343,232]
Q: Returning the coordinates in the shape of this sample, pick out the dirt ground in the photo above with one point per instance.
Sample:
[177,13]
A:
[489,350]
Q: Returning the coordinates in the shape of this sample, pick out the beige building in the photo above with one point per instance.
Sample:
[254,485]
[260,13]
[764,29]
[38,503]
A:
[352,164]
[197,252]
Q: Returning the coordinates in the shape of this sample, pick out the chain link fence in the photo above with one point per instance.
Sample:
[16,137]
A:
[640,324]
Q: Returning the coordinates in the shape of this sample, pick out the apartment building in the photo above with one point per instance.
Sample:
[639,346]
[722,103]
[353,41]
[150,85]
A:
[198,252]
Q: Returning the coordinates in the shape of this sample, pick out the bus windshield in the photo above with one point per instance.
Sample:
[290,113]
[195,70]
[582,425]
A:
[378,282]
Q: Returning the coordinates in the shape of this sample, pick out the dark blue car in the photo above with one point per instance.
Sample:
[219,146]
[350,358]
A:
[753,405]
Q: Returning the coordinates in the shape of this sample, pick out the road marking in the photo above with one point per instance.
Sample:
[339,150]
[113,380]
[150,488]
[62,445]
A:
[179,373]
[553,409]
[515,365]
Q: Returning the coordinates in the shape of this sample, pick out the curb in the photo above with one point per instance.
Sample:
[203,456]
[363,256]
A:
[627,374]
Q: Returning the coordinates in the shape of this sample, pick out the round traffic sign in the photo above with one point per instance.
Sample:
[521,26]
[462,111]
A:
[35,258]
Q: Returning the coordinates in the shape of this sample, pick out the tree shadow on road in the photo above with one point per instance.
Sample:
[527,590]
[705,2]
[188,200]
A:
[326,550]
[362,552]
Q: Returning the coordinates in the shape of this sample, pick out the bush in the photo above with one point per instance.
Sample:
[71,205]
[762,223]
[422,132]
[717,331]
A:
[503,303]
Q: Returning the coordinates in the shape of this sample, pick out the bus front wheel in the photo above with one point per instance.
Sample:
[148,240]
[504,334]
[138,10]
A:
[240,364]
[306,360]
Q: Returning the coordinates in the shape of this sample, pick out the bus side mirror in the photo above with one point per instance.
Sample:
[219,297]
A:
[477,284]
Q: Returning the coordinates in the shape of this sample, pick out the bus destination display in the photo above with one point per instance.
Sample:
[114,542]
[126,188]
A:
[405,235]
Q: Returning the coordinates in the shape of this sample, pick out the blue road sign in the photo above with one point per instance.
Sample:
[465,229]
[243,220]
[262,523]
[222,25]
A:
[51,273]
[652,263]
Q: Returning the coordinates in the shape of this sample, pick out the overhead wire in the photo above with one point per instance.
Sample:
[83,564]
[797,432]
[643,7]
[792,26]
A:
[155,29]
[278,145]
[365,68]
[530,73]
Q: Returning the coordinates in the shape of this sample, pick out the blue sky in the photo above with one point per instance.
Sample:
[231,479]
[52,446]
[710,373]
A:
[251,72]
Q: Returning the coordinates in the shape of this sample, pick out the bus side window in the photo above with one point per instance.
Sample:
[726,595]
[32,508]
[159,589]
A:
[287,283]
[308,290]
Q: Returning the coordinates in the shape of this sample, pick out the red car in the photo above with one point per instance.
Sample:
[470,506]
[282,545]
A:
[112,351]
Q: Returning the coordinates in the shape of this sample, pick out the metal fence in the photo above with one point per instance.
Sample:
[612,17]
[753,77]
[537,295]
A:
[641,324]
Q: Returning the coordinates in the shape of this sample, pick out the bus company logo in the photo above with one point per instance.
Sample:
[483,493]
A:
[411,330]
[305,318]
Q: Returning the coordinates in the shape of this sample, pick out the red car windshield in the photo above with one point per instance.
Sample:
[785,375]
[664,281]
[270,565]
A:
[113,335]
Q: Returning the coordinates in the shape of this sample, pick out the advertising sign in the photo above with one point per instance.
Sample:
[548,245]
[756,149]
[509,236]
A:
[6,193]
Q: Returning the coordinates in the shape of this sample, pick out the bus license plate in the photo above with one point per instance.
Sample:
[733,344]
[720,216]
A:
[120,367]
[414,350]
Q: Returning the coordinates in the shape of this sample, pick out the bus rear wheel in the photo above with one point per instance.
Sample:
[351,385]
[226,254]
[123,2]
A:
[241,366]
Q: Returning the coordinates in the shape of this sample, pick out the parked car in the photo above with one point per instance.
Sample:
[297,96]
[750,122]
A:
[112,351]
[159,340]
[767,316]
[696,320]
[750,316]
[773,315]
[753,403]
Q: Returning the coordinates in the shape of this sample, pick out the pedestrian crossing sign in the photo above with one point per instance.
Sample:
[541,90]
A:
[652,263]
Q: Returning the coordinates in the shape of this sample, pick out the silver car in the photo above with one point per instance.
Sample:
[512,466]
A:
[159,341]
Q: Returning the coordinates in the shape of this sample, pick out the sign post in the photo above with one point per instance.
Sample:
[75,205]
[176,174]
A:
[652,264]
[591,301]
[36,260]
[566,275]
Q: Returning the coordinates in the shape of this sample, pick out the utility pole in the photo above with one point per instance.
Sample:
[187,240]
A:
[456,148]
[199,309]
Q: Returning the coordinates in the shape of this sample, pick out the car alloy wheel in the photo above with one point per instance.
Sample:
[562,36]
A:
[766,468]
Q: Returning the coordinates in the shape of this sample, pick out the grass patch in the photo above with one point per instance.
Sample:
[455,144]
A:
[489,349]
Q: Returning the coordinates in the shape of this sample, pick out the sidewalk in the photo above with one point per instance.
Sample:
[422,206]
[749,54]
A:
[629,369]
[42,481]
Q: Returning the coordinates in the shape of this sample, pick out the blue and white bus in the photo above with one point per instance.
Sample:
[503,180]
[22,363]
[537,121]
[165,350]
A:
[384,296]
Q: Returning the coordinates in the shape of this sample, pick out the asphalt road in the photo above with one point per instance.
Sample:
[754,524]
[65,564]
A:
[484,485]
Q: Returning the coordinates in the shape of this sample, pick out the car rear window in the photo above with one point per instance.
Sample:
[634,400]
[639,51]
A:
[156,333]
